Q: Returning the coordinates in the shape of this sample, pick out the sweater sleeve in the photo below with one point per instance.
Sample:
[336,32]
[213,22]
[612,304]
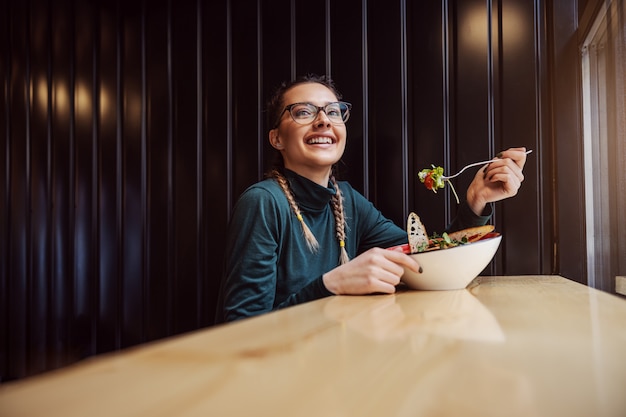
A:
[466,218]
[249,282]
[315,290]
[372,228]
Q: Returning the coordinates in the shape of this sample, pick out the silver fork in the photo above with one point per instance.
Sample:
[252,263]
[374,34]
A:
[445,178]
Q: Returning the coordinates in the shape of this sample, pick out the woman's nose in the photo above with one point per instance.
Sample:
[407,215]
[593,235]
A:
[321,119]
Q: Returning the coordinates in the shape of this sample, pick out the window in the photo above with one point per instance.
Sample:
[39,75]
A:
[604,111]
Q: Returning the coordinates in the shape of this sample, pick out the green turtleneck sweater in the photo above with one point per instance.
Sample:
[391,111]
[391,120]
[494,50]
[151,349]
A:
[267,262]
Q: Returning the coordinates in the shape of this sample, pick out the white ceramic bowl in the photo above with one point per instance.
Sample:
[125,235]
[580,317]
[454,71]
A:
[453,268]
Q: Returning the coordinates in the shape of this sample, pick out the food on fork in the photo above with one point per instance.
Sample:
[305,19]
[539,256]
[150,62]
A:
[434,179]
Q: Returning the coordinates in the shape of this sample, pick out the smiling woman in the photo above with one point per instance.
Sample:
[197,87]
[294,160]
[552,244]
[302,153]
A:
[301,234]
[288,231]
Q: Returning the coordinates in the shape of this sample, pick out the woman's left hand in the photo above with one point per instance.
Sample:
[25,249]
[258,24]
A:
[498,180]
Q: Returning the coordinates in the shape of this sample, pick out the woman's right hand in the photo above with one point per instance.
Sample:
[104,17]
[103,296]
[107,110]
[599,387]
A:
[375,271]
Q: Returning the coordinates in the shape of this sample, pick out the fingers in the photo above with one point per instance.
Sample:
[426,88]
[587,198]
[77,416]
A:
[498,170]
[381,286]
[402,260]
[505,185]
[511,161]
[517,155]
[384,269]
[500,179]
[377,270]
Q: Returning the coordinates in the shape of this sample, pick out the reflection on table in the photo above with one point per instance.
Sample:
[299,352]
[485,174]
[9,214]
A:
[453,314]
[506,346]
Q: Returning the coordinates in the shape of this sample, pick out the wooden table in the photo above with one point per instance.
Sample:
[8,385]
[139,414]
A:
[506,346]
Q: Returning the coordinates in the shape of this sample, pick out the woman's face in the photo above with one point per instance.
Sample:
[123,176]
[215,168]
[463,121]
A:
[310,149]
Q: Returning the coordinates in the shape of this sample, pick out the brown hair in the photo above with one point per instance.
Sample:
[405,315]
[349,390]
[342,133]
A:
[275,108]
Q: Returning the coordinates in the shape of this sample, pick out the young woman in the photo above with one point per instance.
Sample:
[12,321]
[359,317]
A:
[301,235]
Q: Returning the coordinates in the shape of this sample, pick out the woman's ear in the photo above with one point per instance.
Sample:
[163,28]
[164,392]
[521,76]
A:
[274,139]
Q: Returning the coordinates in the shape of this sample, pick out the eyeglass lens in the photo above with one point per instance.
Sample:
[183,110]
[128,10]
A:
[305,113]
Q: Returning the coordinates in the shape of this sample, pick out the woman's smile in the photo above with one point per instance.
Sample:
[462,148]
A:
[320,140]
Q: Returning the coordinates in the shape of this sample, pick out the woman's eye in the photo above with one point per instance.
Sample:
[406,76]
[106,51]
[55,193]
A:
[333,112]
[302,112]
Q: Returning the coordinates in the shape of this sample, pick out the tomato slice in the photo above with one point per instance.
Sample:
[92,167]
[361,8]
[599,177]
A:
[490,235]
[428,181]
[401,248]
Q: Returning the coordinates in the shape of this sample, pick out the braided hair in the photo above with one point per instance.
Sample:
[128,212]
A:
[338,213]
[311,241]
[340,221]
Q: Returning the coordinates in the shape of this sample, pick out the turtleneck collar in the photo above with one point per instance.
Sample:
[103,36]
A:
[308,194]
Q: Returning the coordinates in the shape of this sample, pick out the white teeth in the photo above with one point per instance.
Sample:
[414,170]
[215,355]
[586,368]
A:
[320,140]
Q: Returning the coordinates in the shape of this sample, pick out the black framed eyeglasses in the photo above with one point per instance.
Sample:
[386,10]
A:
[337,112]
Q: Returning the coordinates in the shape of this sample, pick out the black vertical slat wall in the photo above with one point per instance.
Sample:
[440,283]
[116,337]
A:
[129,128]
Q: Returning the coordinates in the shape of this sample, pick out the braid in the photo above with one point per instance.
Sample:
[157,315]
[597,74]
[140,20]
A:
[340,222]
[311,242]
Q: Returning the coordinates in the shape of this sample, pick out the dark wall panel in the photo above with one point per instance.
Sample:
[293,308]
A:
[387,109]
[518,121]
[311,36]
[215,176]
[130,128]
[157,173]
[348,55]
[429,121]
